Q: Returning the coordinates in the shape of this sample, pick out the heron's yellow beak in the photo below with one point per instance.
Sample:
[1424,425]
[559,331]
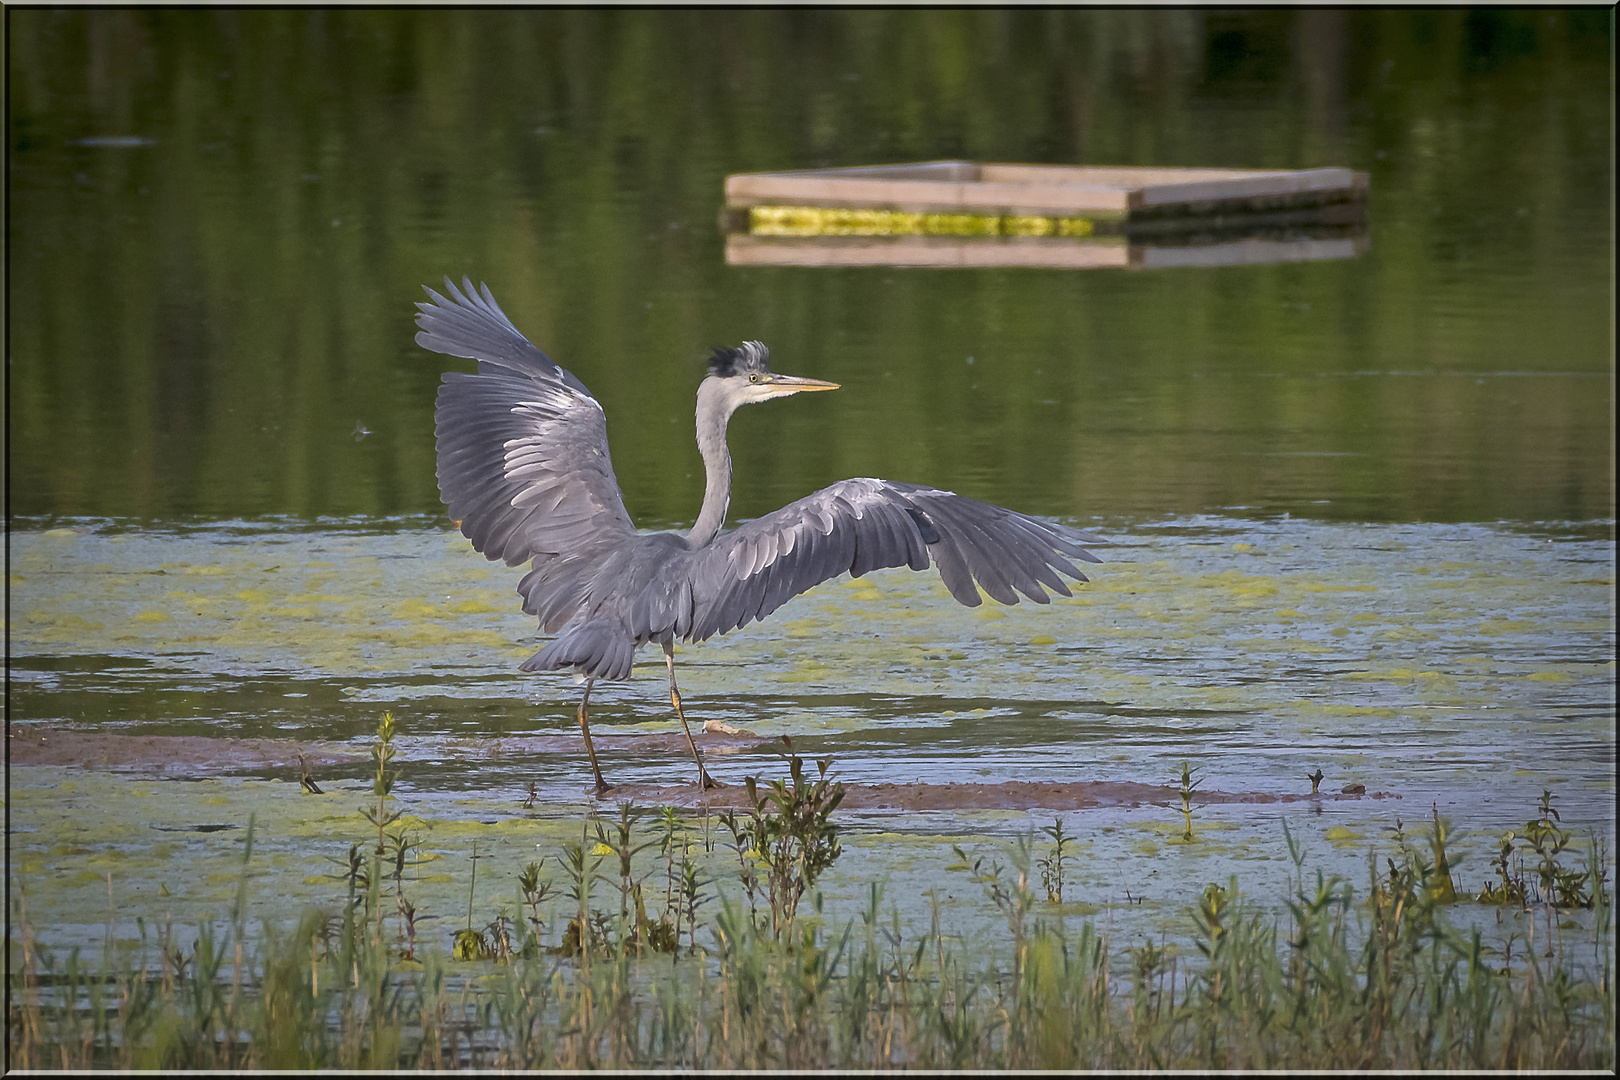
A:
[792,384]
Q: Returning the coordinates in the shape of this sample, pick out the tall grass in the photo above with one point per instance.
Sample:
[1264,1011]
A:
[1380,982]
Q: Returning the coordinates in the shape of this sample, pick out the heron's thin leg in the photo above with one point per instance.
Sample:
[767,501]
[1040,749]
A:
[705,781]
[585,728]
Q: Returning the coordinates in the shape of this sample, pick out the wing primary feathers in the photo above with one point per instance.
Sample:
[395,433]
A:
[857,526]
[522,445]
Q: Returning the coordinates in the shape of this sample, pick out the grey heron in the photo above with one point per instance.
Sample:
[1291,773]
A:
[523,467]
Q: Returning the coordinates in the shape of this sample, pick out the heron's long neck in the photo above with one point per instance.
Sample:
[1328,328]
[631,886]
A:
[712,415]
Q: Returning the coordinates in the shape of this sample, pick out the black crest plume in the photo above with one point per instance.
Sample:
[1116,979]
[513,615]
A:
[748,357]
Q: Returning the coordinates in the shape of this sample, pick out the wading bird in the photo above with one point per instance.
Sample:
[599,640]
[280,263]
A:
[525,472]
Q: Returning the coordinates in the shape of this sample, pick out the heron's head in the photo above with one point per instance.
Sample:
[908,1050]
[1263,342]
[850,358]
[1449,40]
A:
[743,375]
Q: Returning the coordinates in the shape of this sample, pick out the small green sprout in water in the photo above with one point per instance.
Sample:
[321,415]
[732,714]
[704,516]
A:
[683,887]
[353,874]
[1052,865]
[395,850]
[1510,887]
[636,929]
[407,922]
[1397,894]
[1148,998]
[1188,785]
[692,897]
[473,944]
[580,865]
[472,886]
[621,843]
[401,847]
[493,941]
[535,892]
[498,935]
[671,828]
[383,784]
[1211,918]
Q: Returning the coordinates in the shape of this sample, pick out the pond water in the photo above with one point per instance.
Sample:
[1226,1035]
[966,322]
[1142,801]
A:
[1360,511]
[1458,668]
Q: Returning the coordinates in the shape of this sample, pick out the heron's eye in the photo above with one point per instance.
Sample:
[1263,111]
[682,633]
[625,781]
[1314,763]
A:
[754,377]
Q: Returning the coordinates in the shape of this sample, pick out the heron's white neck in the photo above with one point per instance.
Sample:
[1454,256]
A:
[713,413]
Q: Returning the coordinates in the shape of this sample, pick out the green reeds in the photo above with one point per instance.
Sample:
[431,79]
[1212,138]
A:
[790,835]
[1349,982]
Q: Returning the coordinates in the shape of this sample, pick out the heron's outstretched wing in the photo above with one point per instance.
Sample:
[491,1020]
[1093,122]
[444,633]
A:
[523,452]
[861,525]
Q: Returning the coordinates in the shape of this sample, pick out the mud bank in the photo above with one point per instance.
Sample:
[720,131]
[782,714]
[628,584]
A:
[1012,795]
[189,756]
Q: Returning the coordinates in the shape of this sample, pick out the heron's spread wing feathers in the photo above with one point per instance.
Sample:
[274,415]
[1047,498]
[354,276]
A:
[472,324]
[862,525]
[523,452]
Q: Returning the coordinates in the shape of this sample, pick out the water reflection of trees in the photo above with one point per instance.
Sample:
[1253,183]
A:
[196,325]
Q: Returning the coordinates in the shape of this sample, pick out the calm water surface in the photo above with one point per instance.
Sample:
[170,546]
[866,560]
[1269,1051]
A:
[220,221]
[1360,510]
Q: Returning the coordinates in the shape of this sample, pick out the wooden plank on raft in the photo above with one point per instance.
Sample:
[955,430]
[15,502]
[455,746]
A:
[1122,192]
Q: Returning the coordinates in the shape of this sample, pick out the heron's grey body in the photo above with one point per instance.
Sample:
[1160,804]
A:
[525,471]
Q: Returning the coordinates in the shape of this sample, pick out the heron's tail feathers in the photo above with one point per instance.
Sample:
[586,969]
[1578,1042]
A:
[597,650]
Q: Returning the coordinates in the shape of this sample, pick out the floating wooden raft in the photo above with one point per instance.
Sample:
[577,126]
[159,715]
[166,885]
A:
[963,213]
[1092,193]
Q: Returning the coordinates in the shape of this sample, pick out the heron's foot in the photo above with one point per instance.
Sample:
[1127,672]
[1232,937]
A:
[603,787]
[709,783]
